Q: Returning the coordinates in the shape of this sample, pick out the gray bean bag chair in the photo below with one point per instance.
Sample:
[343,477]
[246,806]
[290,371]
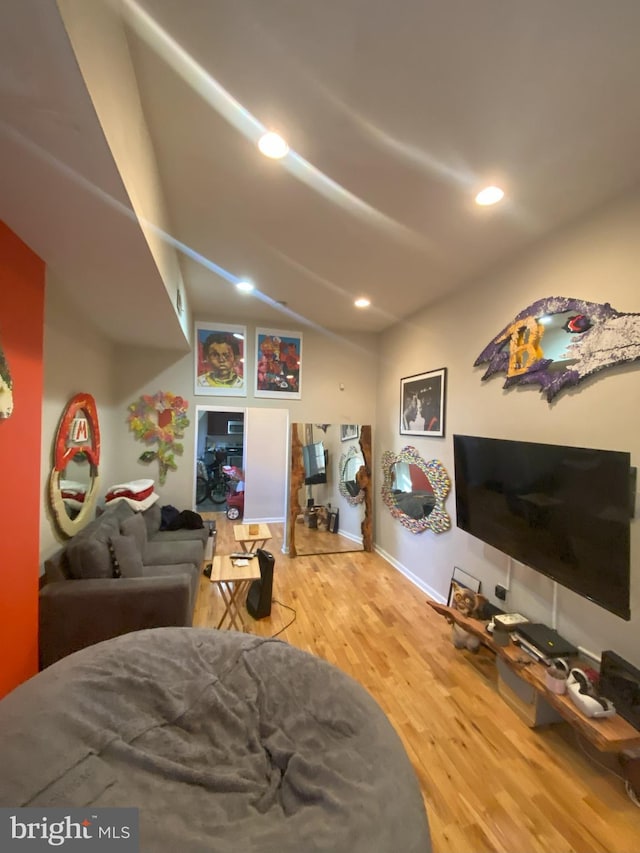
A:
[224,741]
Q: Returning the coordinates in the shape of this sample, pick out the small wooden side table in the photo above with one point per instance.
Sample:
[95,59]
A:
[250,542]
[234,582]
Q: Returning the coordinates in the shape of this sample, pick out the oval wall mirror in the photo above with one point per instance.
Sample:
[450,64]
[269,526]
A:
[415,490]
[74,479]
[350,463]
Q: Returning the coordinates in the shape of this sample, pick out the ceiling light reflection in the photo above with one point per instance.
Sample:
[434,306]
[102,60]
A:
[489,196]
[272,145]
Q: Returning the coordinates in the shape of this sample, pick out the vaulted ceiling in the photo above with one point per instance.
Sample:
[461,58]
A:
[396,114]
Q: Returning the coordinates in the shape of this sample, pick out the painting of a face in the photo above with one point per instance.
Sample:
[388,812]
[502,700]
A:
[219,362]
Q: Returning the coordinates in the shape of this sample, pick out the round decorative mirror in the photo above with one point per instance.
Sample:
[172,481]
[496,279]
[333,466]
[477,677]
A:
[74,480]
[415,490]
[350,464]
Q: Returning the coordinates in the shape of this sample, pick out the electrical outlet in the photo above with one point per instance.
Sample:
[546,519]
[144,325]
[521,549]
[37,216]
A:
[500,592]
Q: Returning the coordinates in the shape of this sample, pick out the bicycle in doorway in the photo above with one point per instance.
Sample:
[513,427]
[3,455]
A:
[212,483]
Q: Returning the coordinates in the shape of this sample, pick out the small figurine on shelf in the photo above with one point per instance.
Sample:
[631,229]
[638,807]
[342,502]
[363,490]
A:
[466,601]
[471,604]
[462,639]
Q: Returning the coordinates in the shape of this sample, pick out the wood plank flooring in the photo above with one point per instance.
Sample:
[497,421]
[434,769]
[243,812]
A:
[313,541]
[489,782]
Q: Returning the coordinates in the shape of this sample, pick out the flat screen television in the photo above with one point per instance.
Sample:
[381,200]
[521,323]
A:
[315,459]
[563,511]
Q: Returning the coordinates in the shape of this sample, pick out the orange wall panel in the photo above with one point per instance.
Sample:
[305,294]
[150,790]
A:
[22,283]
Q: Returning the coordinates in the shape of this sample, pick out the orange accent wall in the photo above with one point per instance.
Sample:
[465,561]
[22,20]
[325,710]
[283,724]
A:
[22,282]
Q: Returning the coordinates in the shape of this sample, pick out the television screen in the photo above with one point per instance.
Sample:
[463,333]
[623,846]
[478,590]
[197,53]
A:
[315,463]
[563,511]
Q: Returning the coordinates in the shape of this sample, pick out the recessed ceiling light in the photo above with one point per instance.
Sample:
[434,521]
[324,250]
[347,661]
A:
[363,302]
[273,145]
[489,195]
[244,286]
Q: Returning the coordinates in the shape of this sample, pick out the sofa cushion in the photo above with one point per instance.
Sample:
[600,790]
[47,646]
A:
[127,557]
[135,526]
[152,518]
[164,552]
[88,552]
[181,535]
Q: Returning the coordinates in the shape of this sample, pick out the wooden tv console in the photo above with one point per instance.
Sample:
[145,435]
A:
[610,734]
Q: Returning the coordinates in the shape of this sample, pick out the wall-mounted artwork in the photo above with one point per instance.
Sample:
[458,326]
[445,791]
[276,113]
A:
[6,387]
[349,431]
[278,364]
[160,419]
[557,342]
[220,360]
[74,478]
[348,467]
[415,490]
[422,401]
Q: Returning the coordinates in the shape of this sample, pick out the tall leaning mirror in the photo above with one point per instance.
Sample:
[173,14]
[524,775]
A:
[330,507]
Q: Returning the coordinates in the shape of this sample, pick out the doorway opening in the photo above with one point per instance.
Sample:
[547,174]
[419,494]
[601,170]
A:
[220,444]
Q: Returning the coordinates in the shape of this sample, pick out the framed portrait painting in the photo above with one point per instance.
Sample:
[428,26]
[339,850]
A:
[219,361]
[348,431]
[278,364]
[422,402]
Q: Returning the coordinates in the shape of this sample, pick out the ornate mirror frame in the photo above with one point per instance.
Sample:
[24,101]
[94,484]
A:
[438,520]
[78,433]
[352,453]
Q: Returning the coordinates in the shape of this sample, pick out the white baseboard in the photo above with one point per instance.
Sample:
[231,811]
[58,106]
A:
[352,537]
[415,580]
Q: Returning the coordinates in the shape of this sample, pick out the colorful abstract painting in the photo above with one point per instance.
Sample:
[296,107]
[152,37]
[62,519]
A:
[160,419]
[278,364]
[557,342]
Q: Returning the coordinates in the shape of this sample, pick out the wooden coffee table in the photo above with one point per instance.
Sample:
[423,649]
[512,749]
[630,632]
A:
[249,541]
[234,582]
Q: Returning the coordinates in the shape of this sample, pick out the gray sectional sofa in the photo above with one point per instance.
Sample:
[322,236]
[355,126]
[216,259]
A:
[120,573]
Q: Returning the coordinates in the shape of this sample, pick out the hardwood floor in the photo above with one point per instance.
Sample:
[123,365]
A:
[489,782]
[314,541]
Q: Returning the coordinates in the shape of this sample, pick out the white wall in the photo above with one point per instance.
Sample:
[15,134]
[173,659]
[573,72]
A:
[266,460]
[598,260]
[76,359]
[100,44]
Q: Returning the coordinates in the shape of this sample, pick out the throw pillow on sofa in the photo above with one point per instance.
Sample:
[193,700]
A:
[88,552]
[152,518]
[89,558]
[127,559]
[136,527]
